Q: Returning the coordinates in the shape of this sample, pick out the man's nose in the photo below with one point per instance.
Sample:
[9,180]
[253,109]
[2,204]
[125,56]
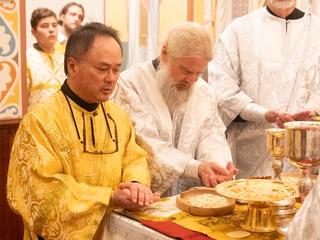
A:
[51,28]
[192,78]
[110,76]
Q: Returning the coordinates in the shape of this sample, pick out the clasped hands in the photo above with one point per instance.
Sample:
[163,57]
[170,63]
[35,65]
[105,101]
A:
[211,174]
[281,118]
[134,195]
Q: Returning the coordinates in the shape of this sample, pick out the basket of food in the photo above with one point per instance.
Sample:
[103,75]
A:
[202,201]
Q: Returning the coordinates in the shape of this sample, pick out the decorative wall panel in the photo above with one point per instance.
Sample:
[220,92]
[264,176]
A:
[11,70]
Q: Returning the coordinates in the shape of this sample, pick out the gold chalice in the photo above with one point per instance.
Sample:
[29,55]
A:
[303,150]
[275,138]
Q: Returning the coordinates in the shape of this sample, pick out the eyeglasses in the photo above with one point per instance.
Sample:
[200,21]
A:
[109,145]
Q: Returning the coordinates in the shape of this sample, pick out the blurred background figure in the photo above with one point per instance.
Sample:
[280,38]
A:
[70,17]
[45,73]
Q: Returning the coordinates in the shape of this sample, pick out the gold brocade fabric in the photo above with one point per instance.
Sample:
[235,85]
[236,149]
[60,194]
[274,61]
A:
[45,73]
[61,191]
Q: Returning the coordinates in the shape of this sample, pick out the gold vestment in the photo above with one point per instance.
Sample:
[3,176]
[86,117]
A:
[65,166]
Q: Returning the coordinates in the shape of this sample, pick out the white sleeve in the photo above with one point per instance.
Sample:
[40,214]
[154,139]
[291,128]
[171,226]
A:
[213,146]
[224,75]
[254,112]
[191,169]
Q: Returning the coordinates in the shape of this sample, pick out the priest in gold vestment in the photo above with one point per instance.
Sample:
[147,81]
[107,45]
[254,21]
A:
[74,156]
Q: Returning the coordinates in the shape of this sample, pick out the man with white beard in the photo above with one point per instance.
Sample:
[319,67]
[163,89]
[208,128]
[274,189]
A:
[265,72]
[175,113]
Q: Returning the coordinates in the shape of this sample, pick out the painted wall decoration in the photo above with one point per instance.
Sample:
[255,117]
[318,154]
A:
[10,75]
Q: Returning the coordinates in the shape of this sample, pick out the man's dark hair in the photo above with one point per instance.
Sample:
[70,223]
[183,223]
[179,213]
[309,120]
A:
[39,14]
[81,40]
[65,9]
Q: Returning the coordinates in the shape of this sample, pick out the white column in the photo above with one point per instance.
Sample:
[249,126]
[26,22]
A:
[153,29]
[133,31]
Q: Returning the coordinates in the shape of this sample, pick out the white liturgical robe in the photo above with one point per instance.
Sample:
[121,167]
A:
[305,224]
[264,62]
[201,132]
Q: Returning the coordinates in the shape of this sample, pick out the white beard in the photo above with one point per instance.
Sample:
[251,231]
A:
[173,97]
[282,4]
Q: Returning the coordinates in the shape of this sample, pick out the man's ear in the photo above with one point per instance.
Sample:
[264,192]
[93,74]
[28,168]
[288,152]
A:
[72,65]
[61,18]
[33,31]
[164,53]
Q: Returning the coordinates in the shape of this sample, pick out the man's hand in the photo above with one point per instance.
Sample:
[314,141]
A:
[299,116]
[211,174]
[304,115]
[271,116]
[283,118]
[133,196]
[232,170]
